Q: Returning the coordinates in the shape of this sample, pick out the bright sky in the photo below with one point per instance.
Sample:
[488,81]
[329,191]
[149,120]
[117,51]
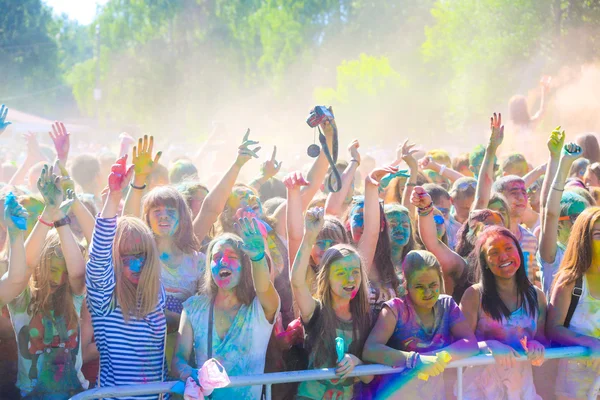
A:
[81,10]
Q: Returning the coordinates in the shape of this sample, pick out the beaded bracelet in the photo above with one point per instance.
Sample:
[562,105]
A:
[425,211]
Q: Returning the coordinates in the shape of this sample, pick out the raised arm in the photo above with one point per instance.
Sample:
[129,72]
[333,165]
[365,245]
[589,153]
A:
[555,145]
[294,219]
[313,223]
[15,280]
[143,167]
[549,237]
[545,84]
[33,156]
[3,122]
[534,175]
[372,214]
[486,174]
[405,153]
[84,217]
[254,247]
[268,170]
[100,277]
[429,163]
[452,264]
[62,142]
[217,198]
[70,248]
[50,188]
[315,176]
[335,200]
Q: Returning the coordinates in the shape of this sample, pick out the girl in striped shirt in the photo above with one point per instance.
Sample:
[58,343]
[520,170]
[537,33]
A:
[125,297]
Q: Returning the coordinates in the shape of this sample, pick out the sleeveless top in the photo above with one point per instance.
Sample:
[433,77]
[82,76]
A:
[586,318]
[493,381]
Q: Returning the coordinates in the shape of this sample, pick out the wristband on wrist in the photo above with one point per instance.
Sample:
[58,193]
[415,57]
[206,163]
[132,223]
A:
[356,161]
[411,184]
[259,258]
[557,189]
[48,224]
[138,187]
[442,169]
[62,222]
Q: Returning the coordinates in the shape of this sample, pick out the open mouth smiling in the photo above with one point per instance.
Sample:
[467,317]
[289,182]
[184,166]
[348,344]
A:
[224,273]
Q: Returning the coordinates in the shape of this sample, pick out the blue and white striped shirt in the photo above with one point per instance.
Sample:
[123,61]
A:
[130,352]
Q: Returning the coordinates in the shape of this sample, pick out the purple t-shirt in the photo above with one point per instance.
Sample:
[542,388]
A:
[409,333]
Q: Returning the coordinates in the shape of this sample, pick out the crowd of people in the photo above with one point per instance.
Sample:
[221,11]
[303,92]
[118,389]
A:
[128,271]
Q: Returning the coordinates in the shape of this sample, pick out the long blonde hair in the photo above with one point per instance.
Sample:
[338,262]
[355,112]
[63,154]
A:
[43,301]
[133,236]
[323,346]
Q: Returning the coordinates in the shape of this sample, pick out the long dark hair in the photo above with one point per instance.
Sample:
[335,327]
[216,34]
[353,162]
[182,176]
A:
[491,302]
[382,260]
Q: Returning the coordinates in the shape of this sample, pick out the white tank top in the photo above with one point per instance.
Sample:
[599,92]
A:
[586,318]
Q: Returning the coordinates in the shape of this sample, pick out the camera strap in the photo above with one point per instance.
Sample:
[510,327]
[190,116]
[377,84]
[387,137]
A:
[332,158]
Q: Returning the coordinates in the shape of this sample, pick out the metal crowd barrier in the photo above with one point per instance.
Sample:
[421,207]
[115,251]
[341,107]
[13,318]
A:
[327,373]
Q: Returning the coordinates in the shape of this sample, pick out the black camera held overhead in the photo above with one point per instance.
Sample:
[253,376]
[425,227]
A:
[318,116]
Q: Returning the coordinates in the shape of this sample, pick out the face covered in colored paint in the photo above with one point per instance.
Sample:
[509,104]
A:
[399,228]
[197,200]
[58,272]
[516,195]
[357,225]
[241,198]
[499,207]
[345,277]
[164,221]
[226,265]
[502,256]
[596,245]
[424,288]
[319,248]
[132,266]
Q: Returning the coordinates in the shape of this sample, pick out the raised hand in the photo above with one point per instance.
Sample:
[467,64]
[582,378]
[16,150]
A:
[497,135]
[33,147]
[405,152]
[420,198]
[66,183]
[556,142]
[3,122]
[49,186]
[142,156]
[15,215]
[254,244]
[244,151]
[385,181]
[353,150]
[295,180]
[378,173]
[271,167]
[119,176]
[62,142]
[545,82]
[428,162]
[68,201]
[328,125]
[313,222]
[571,152]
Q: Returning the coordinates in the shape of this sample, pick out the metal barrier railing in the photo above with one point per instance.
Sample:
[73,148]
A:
[324,374]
